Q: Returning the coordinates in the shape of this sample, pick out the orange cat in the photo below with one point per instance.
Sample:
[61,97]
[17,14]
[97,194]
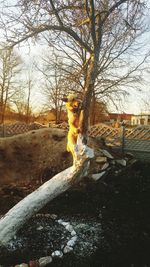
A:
[73,105]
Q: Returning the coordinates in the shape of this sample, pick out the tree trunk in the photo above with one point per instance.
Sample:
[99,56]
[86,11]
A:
[56,115]
[26,208]
[88,93]
[93,108]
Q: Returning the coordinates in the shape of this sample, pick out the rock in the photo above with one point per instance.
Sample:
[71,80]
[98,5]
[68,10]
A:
[97,176]
[67,249]
[22,265]
[122,162]
[107,154]
[57,253]
[105,166]
[101,159]
[53,216]
[65,224]
[33,264]
[73,233]
[60,221]
[72,241]
[44,261]
[69,228]
[39,228]
[132,161]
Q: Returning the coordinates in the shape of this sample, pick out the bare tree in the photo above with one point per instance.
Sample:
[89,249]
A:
[9,69]
[29,87]
[21,102]
[120,49]
[90,24]
[54,85]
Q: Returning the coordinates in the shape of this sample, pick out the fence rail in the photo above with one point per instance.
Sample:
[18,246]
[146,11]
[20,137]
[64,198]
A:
[18,128]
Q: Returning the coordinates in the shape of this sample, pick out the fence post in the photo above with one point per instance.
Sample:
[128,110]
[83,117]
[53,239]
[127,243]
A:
[123,137]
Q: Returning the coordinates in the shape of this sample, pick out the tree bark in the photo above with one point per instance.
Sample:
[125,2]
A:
[88,93]
[93,110]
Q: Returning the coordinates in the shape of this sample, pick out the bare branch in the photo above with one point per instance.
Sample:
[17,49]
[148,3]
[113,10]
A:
[56,13]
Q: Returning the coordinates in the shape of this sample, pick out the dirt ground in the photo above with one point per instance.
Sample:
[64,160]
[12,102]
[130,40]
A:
[121,205]
[26,157]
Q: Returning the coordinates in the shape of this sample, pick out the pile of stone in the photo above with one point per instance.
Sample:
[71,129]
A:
[105,162]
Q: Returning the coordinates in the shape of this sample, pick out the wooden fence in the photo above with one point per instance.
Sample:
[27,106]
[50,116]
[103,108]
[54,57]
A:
[18,128]
[139,148]
[134,140]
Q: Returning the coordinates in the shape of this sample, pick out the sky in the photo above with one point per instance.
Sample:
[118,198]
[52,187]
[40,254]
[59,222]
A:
[134,103]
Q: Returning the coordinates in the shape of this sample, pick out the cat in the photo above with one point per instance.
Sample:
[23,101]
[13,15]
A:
[73,104]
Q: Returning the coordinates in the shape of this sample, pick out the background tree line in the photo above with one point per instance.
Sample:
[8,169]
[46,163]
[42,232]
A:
[93,48]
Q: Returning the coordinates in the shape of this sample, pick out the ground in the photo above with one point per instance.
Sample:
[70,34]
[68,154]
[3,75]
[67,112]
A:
[26,157]
[121,210]
[111,218]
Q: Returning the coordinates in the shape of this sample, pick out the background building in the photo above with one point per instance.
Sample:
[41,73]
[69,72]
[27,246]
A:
[142,119]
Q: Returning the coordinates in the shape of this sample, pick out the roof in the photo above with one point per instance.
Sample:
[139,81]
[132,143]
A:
[121,116]
[140,115]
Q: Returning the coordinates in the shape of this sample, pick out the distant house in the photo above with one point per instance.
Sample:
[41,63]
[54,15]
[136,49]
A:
[142,119]
[50,116]
[120,117]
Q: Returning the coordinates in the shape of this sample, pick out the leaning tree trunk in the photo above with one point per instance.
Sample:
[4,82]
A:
[26,208]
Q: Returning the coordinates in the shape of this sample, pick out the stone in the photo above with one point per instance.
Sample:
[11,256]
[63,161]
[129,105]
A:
[73,233]
[65,224]
[53,216]
[72,241]
[69,228]
[101,159]
[132,161]
[33,263]
[105,166]
[44,261]
[122,162]
[97,176]
[67,249]
[107,154]
[57,253]
[22,265]
[39,228]
[60,221]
